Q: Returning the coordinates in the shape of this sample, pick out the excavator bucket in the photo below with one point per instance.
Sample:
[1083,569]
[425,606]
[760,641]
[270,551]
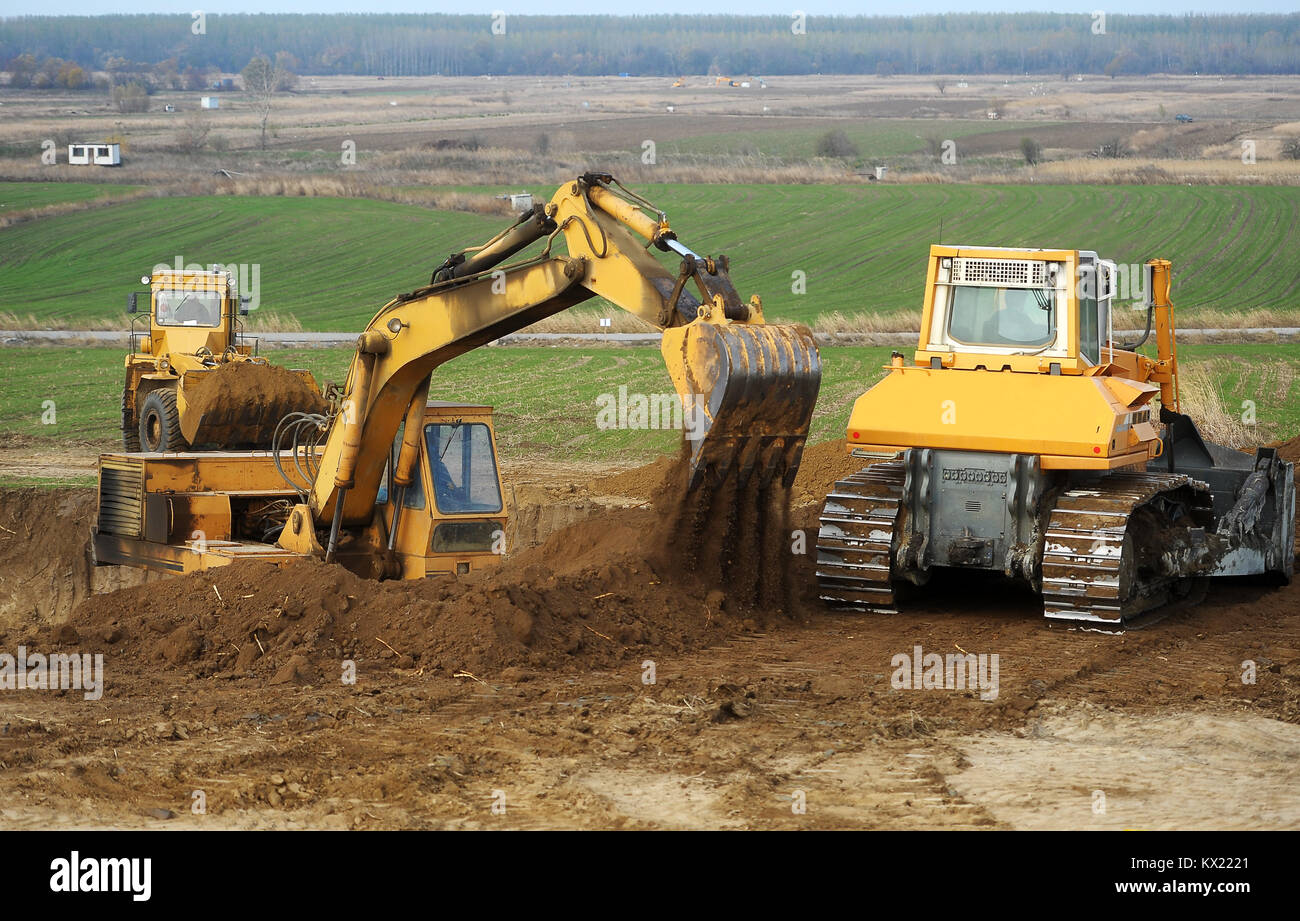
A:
[241,402]
[747,391]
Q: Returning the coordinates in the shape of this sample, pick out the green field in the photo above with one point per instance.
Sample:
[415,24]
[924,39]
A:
[546,397]
[18,196]
[332,262]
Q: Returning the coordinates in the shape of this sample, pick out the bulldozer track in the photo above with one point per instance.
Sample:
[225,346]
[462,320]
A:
[855,543]
[1086,575]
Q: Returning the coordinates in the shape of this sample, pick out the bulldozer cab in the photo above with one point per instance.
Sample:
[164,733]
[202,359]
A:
[190,311]
[1033,310]
[452,518]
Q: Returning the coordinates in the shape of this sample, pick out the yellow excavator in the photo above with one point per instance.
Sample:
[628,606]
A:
[1024,440]
[389,484]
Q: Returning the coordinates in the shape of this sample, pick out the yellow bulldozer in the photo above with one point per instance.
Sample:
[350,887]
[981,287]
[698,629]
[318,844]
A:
[389,484]
[1024,440]
[192,379]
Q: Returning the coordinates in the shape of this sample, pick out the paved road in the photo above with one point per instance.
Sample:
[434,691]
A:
[333,340]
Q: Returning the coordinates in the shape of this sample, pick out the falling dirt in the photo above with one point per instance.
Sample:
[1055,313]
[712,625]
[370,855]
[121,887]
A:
[256,389]
[732,536]
[648,664]
[822,464]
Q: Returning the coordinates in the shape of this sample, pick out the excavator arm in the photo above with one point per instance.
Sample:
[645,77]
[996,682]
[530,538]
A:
[747,387]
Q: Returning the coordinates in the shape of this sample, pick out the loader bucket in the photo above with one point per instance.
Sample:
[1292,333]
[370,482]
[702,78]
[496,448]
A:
[747,392]
[239,404]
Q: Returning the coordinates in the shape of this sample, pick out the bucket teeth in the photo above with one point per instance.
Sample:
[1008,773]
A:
[748,392]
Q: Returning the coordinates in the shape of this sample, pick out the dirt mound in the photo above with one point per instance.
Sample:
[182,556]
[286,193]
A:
[256,389]
[45,563]
[640,482]
[821,466]
[535,514]
[1290,451]
[588,596]
[609,588]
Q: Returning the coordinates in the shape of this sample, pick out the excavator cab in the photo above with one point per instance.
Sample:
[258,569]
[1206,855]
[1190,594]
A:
[453,515]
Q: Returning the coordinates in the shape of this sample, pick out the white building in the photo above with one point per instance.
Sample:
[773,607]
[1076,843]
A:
[96,154]
[210,102]
[519,201]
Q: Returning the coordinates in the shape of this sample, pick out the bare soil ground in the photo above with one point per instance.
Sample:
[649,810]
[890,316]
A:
[29,458]
[521,698]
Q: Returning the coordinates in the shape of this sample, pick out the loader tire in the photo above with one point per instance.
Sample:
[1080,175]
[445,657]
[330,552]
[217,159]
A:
[130,429]
[160,423]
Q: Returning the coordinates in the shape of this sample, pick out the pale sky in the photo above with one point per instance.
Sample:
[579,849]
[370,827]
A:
[563,7]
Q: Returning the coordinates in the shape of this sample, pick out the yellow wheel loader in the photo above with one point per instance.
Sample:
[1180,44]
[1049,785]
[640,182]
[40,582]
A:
[193,380]
[388,484]
[1024,440]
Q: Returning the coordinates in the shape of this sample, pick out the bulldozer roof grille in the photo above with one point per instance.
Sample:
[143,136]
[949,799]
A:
[1010,273]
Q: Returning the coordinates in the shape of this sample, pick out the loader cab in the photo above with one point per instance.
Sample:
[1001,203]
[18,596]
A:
[453,516]
[1000,308]
[190,312]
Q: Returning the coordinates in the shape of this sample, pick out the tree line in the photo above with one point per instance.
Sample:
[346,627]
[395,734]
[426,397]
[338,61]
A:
[182,50]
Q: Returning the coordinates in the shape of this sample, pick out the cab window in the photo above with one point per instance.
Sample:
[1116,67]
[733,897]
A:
[175,307]
[463,467]
[1003,317]
[413,497]
[1089,330]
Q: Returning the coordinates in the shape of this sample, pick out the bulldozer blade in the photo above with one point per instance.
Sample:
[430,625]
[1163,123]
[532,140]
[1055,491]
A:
[747,394]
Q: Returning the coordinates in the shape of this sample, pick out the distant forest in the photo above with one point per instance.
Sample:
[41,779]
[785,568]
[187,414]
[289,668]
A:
[408,45]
